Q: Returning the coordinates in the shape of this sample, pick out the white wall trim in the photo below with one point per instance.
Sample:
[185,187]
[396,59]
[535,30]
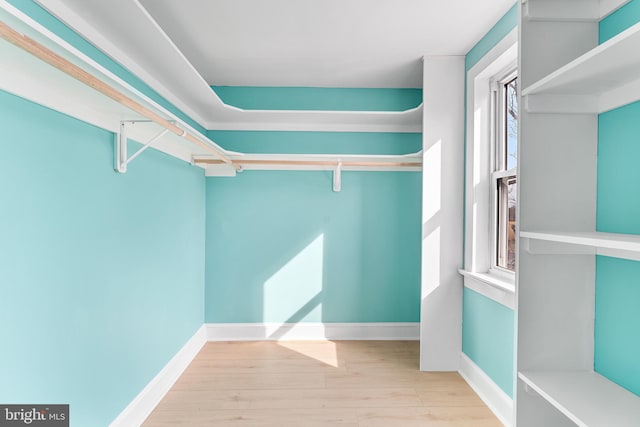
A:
[146,401]
[311,331]
[495,398]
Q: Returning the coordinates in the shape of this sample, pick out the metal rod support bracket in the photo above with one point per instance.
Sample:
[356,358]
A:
[121,158]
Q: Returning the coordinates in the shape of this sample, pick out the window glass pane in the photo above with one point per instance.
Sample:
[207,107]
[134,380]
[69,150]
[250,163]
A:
[507,197]
[511,123]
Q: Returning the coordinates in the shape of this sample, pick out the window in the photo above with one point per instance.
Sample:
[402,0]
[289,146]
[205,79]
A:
[504,177]
[490,173]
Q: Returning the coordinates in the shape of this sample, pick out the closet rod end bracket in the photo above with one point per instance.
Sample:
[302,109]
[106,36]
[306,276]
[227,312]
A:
[337,177]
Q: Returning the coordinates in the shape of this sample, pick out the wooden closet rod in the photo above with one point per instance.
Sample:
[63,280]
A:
[38,50]
[310,163]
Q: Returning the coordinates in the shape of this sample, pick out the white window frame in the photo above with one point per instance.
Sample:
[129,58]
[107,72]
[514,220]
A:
[480,272]
[498,146]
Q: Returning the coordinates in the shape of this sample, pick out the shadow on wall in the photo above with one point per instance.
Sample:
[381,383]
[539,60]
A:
[283,248]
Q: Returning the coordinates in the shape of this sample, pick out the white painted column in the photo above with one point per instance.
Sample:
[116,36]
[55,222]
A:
[442,213]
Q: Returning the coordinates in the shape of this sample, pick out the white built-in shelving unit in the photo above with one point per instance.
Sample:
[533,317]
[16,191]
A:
[602,79]
[567,80]
[582,396]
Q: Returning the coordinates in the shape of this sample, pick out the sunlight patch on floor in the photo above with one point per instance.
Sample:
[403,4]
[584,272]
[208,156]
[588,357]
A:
[322,351]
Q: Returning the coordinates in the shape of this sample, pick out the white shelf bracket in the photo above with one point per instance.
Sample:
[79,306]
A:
[337,178]
[531,391]
[121,159]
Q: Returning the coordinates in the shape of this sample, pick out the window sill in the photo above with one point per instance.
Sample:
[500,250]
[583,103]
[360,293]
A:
[495,287]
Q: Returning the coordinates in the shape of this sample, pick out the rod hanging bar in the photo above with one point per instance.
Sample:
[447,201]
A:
[274,162]
[43,53]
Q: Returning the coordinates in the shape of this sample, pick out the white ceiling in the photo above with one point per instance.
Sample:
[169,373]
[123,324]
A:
[321,43]
[326,43]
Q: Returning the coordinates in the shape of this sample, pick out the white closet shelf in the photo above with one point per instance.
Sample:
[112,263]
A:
[231,118]
[602,79]
[586,398]
[39,66]
[181,84]
[569,10]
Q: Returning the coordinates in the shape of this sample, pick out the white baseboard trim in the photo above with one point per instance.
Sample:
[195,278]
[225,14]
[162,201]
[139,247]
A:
[311,331]
[145,402]
[495,398]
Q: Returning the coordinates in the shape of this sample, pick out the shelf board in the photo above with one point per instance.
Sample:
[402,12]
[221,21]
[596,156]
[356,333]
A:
[586,398]
[570,10]
[58,76]
[583,243]
[596,239]
[608,75]
[232,118]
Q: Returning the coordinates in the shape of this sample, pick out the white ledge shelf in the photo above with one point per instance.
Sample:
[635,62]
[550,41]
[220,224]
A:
[39,66]
[586,398]
[602,79]
[232,118]
[64,79]
[582,243]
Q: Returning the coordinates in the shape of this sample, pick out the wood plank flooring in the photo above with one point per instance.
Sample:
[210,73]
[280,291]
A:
[318,383]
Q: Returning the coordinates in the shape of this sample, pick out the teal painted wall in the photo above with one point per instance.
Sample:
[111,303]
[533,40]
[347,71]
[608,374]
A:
[316,98]
[283,247]
[617,348]
[37,13]
[101,274]
[487,337]
[504,26]
[620,20]
[617,321]
[318,142]
[487,326]
[618,209]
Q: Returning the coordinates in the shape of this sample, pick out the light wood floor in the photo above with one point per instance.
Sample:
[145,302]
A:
[318,383]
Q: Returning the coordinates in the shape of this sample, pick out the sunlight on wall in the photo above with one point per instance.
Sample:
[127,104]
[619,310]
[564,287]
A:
[431,176]
[293,293]
[478,125]
[477,136]
[431,182]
